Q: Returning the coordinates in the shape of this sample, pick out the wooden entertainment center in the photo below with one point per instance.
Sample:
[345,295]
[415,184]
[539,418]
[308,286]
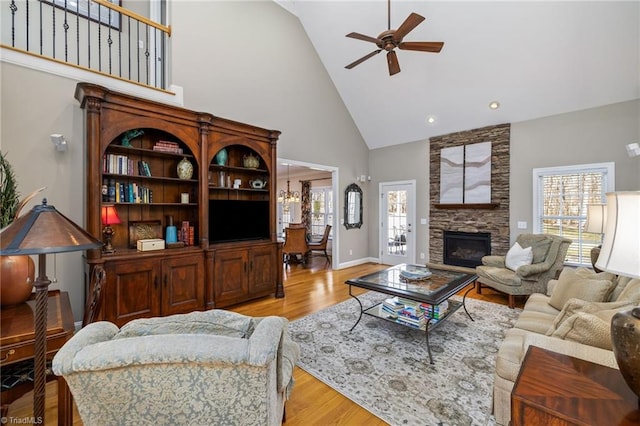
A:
[135,149]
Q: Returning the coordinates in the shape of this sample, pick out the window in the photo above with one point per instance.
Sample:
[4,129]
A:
[560,199]
[321,209]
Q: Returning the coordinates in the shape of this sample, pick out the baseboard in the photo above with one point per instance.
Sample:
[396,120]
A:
[358,262]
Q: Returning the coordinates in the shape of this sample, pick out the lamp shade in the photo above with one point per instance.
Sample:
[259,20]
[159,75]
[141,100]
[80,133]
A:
[44,230]
[110,215]
[596,218]
[620,252]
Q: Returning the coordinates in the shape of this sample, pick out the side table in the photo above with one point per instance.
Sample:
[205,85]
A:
[556,389]
[18,339]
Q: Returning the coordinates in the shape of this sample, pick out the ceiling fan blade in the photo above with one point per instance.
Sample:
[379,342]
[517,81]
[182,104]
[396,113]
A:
[364,58]
[410,23]
[363,37]
[422,46]
[392,60]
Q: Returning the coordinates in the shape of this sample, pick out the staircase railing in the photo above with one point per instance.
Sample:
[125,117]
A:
[95,35]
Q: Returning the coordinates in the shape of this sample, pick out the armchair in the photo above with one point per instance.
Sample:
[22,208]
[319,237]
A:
[213,367]
[549,252]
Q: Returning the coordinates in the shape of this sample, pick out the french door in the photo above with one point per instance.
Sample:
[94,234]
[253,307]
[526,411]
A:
[397,218]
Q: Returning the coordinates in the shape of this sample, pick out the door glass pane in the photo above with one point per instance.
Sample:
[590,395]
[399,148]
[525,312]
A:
[396,222]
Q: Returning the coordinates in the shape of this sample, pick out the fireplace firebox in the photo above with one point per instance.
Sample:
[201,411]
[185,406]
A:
[466,248]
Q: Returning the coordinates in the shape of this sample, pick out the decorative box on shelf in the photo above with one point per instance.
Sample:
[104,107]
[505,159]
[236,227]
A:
[151,244]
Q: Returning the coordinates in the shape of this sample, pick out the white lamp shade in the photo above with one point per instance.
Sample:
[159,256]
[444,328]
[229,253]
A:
[596,218]
[620,253]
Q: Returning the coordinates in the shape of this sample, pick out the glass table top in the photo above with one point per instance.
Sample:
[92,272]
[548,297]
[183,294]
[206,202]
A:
[439,286]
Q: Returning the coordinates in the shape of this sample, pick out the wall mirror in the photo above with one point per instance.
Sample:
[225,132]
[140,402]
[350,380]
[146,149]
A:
[353,207]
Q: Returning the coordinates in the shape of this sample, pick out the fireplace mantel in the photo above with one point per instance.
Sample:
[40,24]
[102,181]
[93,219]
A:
[479,206]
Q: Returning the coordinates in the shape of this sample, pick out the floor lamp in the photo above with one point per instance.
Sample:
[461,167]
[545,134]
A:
[41,231]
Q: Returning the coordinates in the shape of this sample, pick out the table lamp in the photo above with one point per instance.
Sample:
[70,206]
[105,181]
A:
[109,217]
[43,230]
[596,221]
[620,255]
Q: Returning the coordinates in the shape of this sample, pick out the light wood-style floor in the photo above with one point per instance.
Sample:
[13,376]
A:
[307,289]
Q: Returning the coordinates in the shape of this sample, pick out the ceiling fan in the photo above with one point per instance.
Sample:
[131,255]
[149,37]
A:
[390,39]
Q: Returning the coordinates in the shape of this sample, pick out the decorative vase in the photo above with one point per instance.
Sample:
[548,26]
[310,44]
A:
[221,157]
[17,279]
[250,161]
[625,336]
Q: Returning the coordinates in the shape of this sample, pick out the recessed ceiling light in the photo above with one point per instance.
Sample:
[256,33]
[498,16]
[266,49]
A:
[494,105]
[431,119]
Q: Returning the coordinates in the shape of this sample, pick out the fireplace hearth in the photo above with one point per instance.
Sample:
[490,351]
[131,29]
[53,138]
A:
[466,248]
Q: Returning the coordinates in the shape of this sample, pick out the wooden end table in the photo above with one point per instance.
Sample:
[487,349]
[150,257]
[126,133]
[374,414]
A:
[18,340]
[556,389]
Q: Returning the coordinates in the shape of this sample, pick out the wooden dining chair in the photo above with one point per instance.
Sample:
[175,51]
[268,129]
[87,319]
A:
[321,245]
[295,243]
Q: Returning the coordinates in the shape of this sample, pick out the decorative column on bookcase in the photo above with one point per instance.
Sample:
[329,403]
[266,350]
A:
[93,223]
[204,121]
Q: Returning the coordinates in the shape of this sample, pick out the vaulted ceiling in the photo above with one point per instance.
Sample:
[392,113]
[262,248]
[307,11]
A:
[536,59]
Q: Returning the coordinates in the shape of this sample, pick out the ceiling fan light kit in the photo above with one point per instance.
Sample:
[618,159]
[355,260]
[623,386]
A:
[390,39]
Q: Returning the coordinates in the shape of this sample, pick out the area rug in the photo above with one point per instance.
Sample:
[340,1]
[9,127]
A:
[384,367]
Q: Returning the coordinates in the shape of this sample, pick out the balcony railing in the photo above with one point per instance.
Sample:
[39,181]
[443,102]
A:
[95,35]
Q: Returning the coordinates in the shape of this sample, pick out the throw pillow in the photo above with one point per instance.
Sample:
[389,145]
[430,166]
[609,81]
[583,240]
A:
[589,329]
[572,285]
[573,306]
[631,292]
[518,256]
[214,321]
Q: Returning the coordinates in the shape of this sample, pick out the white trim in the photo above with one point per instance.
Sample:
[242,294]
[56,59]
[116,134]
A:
[40,64]
[335,171]
[411,218]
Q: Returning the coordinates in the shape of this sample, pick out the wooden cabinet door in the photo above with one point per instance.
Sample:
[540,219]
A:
[262,263]
[132,290]
[182,284]
[231,275]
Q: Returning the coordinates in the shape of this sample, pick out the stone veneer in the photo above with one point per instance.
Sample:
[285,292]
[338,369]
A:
[495,221]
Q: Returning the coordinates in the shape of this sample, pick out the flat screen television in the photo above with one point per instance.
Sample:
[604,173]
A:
[238,220]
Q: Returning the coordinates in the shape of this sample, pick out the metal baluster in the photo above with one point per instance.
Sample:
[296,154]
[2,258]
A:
[120,48]
[138,51]
[78,33]
[53,30]
[110,40]
[99,38]
[163,54]
[129,47]
[88,38]
[146,52]
[66,33]
[13,8]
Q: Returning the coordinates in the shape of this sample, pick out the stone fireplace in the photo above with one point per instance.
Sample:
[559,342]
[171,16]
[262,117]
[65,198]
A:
[465,248]
[491,218]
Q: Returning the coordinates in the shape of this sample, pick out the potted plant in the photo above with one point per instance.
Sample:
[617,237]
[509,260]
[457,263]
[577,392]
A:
[17,271]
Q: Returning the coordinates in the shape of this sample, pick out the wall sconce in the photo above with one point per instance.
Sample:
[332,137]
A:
[633,149]
[109,217]
[59,141]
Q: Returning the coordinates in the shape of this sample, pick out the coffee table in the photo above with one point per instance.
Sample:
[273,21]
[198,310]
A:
[434,290]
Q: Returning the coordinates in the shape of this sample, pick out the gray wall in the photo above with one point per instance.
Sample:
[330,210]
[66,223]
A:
[590,136]
[267,73]
[252,62]
[582,137]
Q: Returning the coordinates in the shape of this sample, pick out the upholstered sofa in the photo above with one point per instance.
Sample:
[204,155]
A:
[213,367]
[572,318]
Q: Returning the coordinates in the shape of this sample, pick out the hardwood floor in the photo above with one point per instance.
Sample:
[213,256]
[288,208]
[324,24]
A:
[307,289]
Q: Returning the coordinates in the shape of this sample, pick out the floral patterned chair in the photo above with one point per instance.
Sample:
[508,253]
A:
[213,367]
